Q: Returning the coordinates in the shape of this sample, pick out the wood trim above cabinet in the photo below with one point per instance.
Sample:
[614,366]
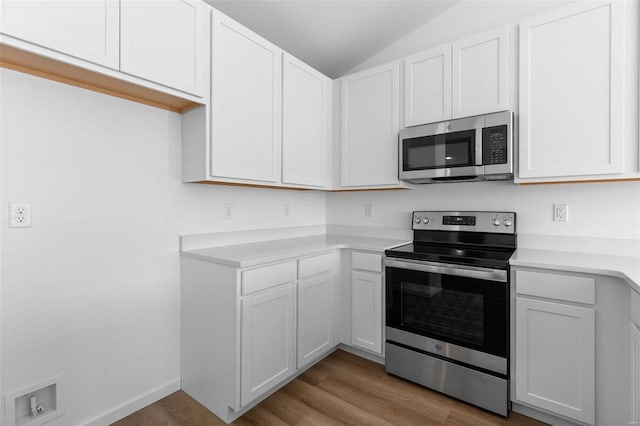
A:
[51,69]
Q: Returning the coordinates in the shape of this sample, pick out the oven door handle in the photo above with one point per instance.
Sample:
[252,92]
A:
[487,274]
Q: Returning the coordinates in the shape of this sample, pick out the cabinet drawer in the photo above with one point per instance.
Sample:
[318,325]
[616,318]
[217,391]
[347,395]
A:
[367,262]
[314,265]
[635,308]
[556,286]
[269,276]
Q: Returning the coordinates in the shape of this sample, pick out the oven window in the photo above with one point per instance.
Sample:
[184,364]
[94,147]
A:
[455,149]
[448,312]
[469,312]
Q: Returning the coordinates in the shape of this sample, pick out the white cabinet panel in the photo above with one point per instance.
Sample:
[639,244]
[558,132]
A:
[427,87]
[268,340]
[370,124]
[164,42]
[366,299]
[305,123]
[635,375]
[480,82]
[571,91]
[555,358]
[556,286]
[88,30]
[315,318]
[246,82]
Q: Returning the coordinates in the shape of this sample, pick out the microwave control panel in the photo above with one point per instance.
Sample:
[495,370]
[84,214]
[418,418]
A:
[494,145]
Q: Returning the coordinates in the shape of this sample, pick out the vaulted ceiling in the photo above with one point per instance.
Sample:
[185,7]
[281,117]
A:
[330,35]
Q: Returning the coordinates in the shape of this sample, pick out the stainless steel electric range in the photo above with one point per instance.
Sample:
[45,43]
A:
[447,305]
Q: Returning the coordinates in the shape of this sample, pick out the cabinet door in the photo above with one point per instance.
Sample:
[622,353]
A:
[305,124]
[481,74]
[370,124]
[366,303]
[427,87]
[88,30]
[268,341]
[635,375]
[315,318]
[246,83]
[571,91]
[555,358]
[164,42]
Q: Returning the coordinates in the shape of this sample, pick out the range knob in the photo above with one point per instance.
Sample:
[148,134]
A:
[507,222]
[417,220]
[425,220]
[496,222]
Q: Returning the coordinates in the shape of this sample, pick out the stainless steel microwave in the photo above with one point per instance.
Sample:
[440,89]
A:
[465,149]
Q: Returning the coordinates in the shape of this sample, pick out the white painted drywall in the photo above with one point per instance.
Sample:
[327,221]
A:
[599,210]
[92,289]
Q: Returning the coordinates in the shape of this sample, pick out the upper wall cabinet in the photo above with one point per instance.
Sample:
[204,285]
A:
[571,93]
[466,78]
[246,101]
[268,122]
[370,122]
[88,30]
[306,109]
[427,87]
[165,41]
[480,74]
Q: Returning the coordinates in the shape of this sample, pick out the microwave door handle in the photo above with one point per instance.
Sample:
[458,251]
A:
[478,145]
[486,274]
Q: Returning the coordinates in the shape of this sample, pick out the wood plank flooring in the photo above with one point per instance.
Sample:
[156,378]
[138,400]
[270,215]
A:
[341,389]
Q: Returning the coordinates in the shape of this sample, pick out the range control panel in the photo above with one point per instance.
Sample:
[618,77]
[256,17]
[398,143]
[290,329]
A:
[494,222]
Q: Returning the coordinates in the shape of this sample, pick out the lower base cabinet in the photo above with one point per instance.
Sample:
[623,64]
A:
[315,318]
[635,376]
[366,305]
[268,340]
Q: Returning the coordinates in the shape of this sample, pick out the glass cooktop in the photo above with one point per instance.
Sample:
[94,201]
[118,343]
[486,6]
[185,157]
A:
[488,257]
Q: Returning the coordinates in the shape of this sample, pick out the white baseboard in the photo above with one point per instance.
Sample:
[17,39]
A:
[361,353]
[121,411]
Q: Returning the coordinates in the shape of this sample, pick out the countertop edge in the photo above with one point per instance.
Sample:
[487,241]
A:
[607,270]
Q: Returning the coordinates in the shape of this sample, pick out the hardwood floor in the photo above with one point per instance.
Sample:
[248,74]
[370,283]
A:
[341,389]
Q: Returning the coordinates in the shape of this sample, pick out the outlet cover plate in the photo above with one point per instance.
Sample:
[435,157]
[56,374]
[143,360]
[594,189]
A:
[19,215]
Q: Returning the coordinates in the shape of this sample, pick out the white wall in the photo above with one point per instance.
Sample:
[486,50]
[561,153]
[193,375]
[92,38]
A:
[598,210]
[92,289]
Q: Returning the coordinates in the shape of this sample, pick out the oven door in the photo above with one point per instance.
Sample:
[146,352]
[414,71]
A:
[464,306]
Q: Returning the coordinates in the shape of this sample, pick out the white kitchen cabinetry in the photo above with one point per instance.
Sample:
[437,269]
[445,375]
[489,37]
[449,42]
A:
[165,41]
[635,375]
[480,74]
[555,344]
[268,340]
[366,302]
[315,318]
[370,122]
[87,30]
[306,112]
[269,118]
[427,87]
[245,331]
[246,101]
[635,359]
[468,77]
[572,93]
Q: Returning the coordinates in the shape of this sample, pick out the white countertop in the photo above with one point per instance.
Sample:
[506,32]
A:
[259,253]
[624,267]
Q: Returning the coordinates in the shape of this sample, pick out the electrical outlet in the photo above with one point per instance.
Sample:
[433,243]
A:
[19,215]
[228,210]
[560,212]
[368,210]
